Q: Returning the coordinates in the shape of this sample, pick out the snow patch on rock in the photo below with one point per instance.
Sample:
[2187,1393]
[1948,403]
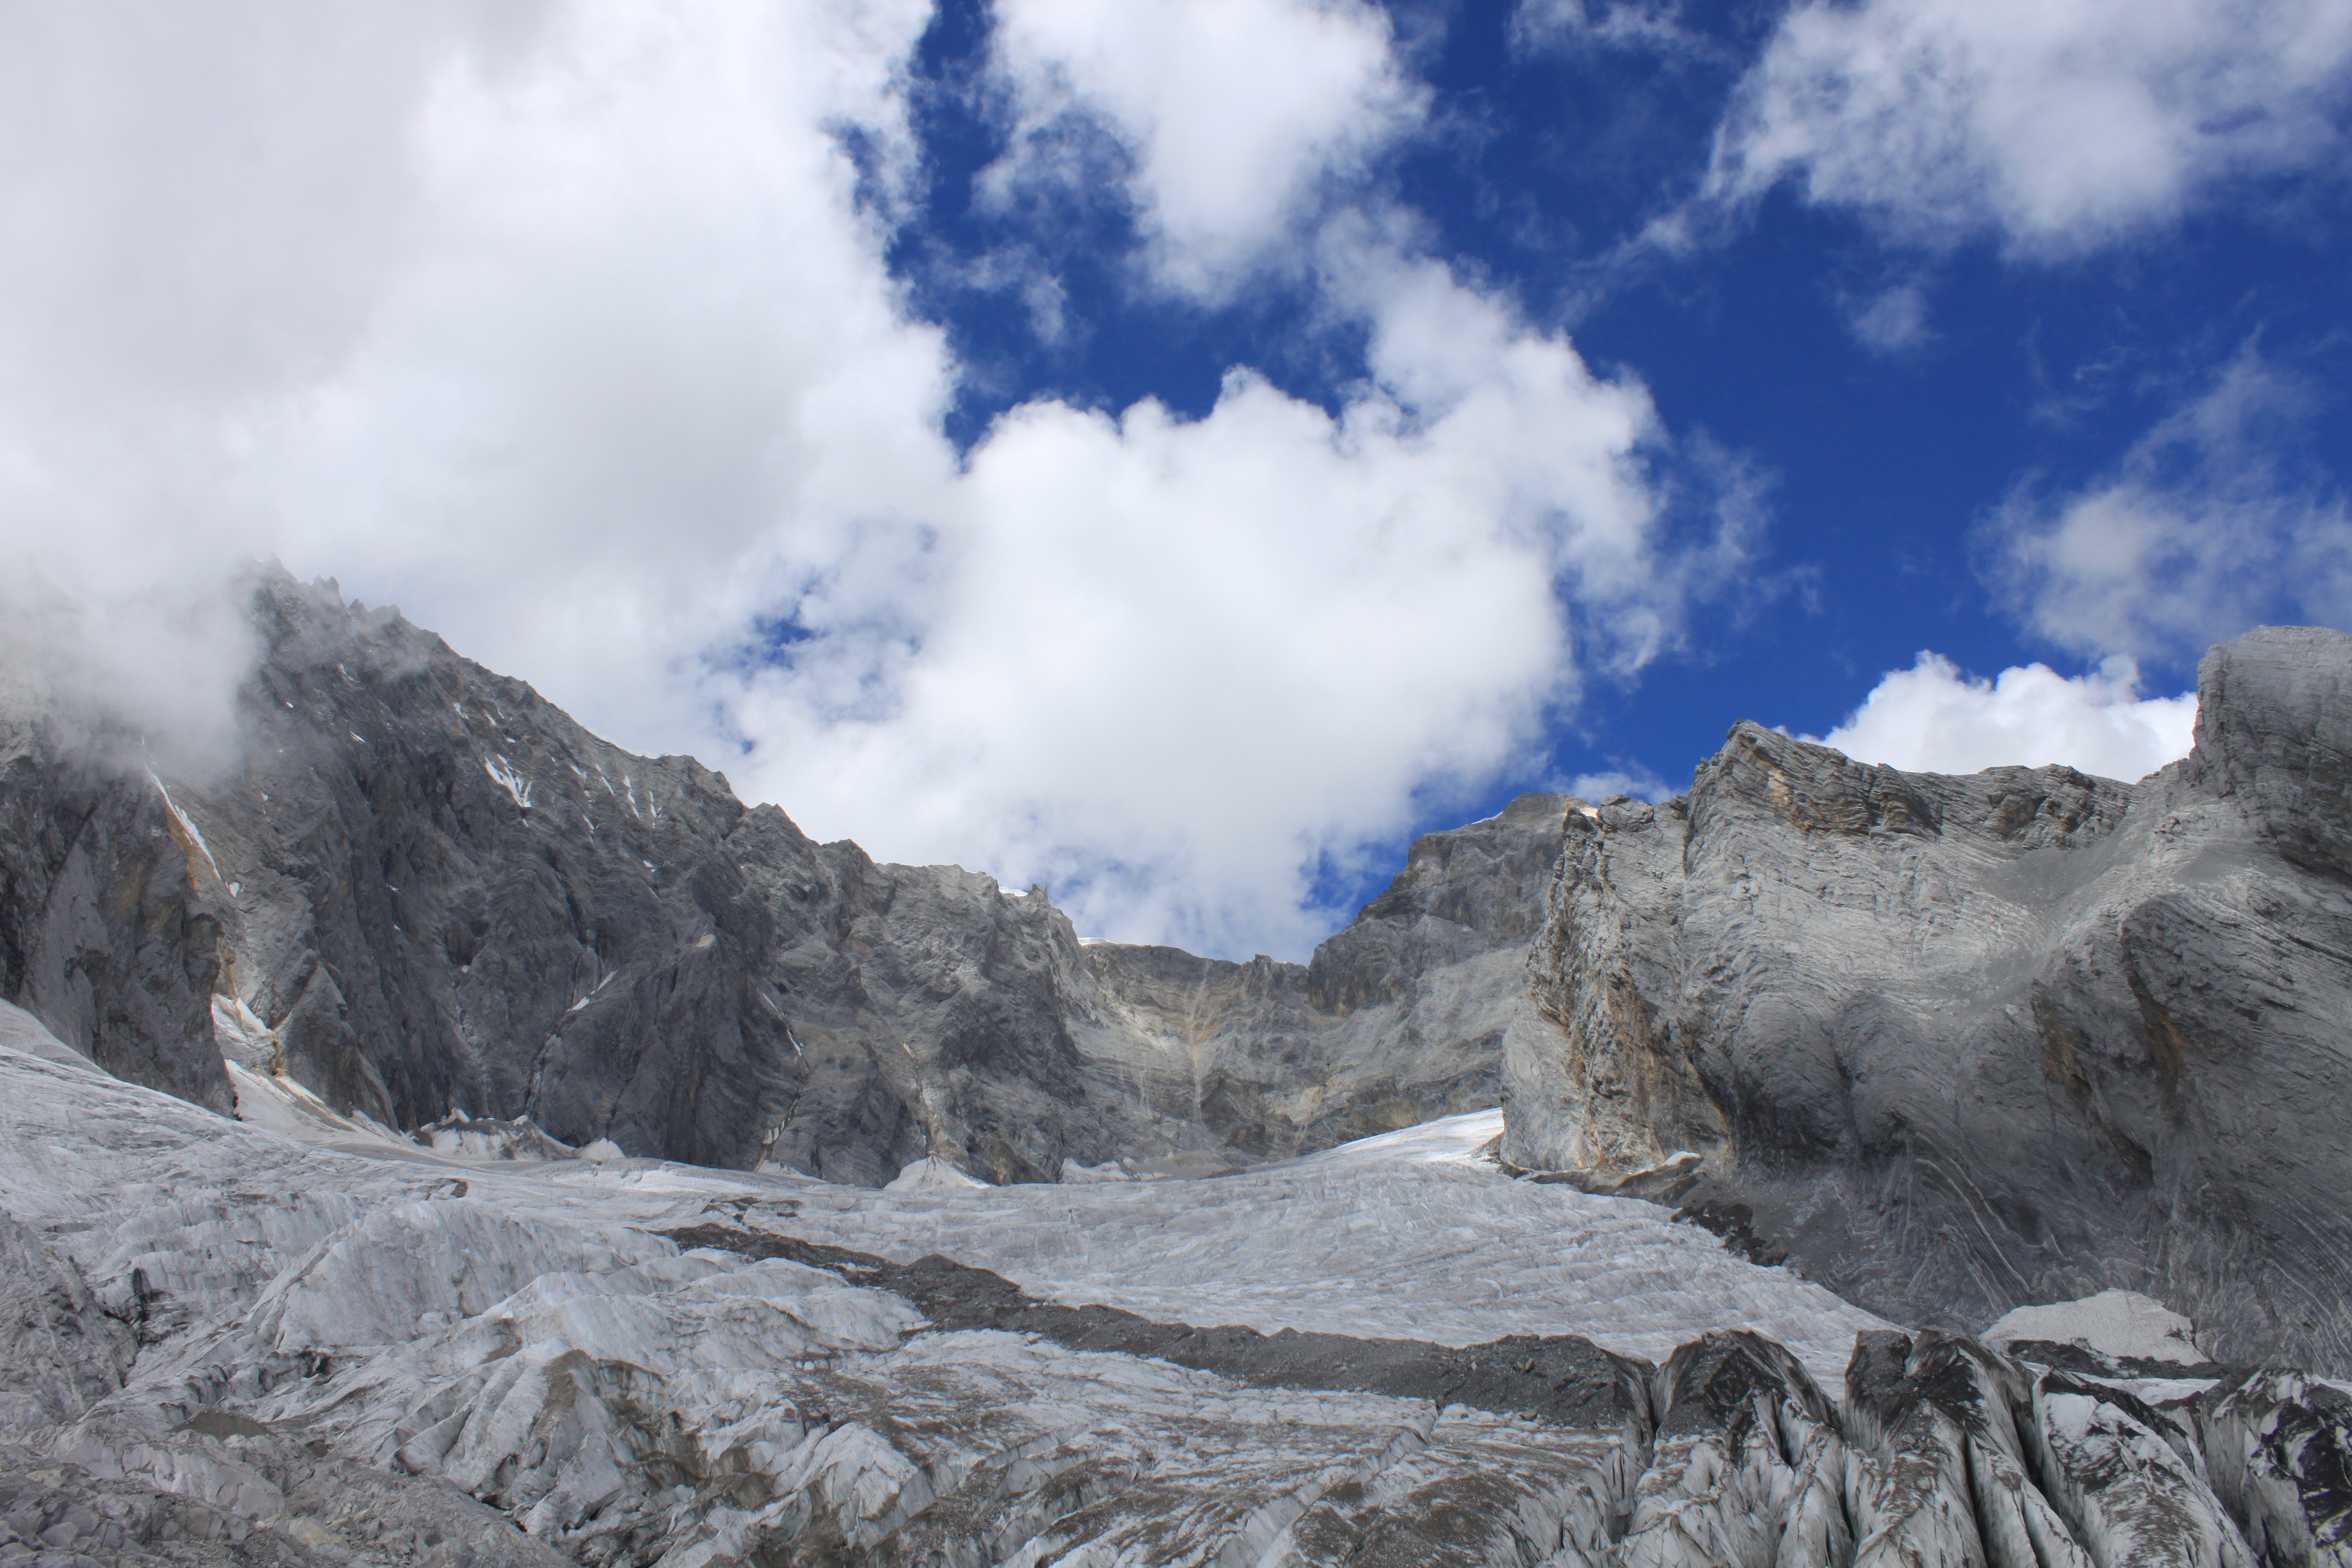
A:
[932,1174]
[2116,1324]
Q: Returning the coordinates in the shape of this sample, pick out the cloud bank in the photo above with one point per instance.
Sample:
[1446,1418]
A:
[1932,718]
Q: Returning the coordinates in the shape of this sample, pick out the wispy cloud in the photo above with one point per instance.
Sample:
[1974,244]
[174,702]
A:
[1889,321]
[2057,125]
[2204,528]
[1610,782]
[1651,26]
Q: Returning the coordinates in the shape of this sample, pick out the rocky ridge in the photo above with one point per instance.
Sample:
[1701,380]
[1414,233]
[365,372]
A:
[423,893]
[1951,1044]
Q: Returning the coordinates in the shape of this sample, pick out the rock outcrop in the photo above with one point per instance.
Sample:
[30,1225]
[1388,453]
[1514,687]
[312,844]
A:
[1951,1044]
[108,930]
[423,892]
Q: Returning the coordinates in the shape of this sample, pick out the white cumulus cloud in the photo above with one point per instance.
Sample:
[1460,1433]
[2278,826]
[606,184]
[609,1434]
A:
[1932,718]
[2059,124]
[1166,665]
[1235,113]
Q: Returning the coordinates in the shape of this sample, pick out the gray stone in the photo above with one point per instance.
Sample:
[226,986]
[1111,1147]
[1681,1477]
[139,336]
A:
[1398,1018]
[108,931]
[1961,1044]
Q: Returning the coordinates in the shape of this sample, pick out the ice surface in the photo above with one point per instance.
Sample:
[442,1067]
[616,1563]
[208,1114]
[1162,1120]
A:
[1405,1236]
[330,1322]
[20,1031]
[2117,1324]
[1409,1234]
[521,1331]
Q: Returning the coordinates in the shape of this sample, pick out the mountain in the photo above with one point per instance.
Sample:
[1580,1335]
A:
[439,1139]
[1955,1044]
[423,892]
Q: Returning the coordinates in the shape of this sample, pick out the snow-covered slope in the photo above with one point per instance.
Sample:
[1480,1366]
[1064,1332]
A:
[316,1345]
[1406,1234]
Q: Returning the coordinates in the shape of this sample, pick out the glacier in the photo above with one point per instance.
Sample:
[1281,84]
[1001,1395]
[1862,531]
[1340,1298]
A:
[317,1341]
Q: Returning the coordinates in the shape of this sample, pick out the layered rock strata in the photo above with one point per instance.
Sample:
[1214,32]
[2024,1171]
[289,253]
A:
[1955,1044]
[422,892]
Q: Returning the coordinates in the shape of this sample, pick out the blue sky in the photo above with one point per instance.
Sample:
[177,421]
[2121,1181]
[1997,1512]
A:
[1177,449]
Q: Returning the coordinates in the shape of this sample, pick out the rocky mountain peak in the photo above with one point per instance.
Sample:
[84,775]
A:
[430,891]
[1955,1044]
[1963,1047]
[2275,735]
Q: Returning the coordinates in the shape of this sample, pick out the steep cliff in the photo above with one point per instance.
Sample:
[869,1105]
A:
[1397,1018]
[109,928]
[423,888]
[1955,1044]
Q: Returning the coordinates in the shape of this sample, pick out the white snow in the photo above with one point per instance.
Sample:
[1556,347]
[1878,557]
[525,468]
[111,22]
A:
[2114,1323]
[186,826]
[277,1103]
[20,1031]
[593,992]
[503,773]
[243,1040]
[928,1174]
[1409,1234]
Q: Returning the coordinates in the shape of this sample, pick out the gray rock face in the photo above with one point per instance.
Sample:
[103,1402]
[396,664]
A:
[1398,1018]
[432,893]
[107,933]
[1957,1043]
